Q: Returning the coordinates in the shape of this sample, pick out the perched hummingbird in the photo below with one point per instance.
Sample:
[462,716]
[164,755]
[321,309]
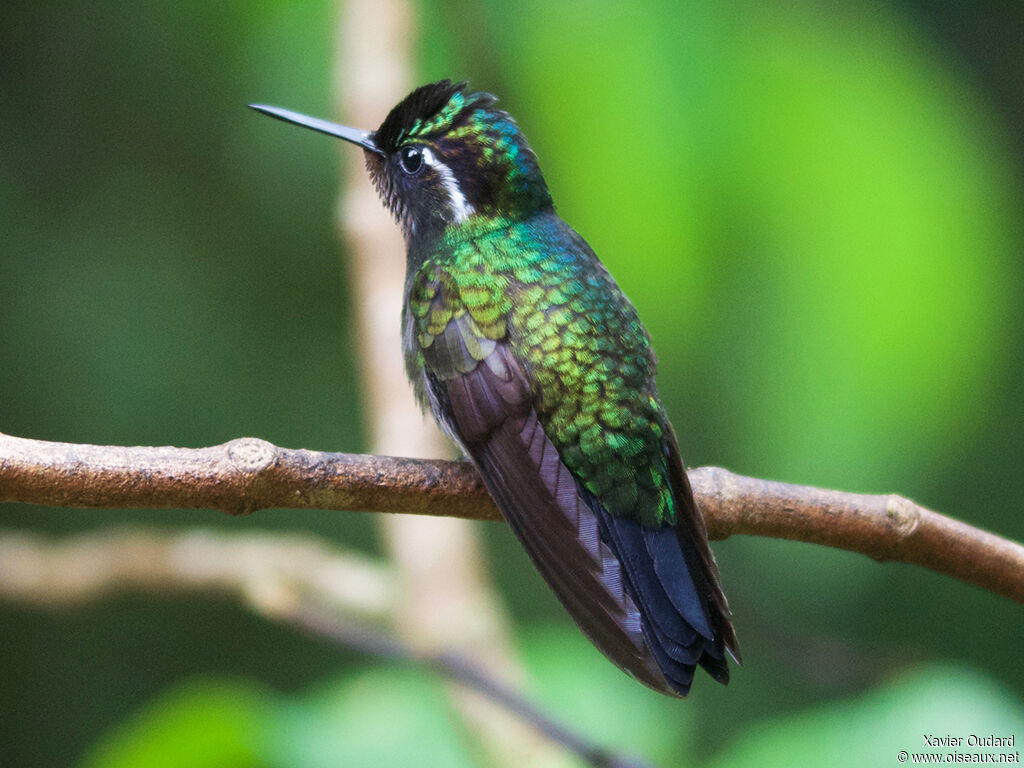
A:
[538,367]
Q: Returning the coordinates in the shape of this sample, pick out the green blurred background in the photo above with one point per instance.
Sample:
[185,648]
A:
[815,206]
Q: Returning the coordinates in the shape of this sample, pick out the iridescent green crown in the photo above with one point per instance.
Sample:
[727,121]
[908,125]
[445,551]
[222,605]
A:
[430,111]
[481,145]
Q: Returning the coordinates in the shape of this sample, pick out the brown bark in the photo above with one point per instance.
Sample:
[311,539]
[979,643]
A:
[248,474]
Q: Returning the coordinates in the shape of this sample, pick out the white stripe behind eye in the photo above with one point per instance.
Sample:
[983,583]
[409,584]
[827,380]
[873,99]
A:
[461,207]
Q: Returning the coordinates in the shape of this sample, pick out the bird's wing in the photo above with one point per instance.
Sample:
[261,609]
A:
[627,586]
[487,405]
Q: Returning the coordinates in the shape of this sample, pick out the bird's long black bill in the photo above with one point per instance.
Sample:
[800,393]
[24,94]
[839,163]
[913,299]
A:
[363,138]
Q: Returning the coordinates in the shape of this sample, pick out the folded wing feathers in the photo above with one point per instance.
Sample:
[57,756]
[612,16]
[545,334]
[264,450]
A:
[492,410]
[596,564]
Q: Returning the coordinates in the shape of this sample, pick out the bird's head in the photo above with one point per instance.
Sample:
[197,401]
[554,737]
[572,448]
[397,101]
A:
[445,155]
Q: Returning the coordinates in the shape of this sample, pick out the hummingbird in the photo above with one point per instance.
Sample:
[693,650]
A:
[535,363]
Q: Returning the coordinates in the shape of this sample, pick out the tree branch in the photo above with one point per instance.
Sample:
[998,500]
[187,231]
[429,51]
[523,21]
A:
[248,474]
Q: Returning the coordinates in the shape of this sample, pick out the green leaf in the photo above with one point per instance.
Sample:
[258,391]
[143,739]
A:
[573,682]
[204,724]
[384,716]
[873,728]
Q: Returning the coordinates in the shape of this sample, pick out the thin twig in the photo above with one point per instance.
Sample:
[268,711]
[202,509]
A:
[248,474]
[47,572]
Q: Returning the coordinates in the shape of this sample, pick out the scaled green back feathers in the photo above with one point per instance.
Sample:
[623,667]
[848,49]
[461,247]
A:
[588,355]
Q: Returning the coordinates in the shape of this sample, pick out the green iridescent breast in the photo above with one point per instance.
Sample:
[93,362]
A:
[537,286]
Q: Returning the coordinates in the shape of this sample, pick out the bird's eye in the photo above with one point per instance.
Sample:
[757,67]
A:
[411,160]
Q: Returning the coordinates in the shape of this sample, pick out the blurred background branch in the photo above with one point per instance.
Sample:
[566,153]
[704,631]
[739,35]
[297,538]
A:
[295,580]
[446,599]
[249,474]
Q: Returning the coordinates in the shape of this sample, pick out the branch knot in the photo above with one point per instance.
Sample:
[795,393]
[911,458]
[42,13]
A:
[904,515]
[250,454]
